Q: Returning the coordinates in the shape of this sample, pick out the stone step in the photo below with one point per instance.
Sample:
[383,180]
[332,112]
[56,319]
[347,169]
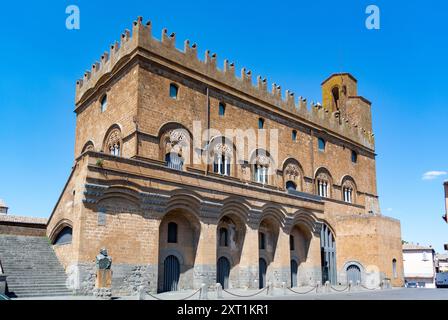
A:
[32,267]
[46,294]
[34,287]
[17,284]
[43,294]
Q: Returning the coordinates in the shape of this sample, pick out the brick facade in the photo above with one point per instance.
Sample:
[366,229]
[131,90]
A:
[122,195]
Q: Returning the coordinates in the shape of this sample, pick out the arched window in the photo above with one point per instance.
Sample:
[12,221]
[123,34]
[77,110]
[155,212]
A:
[261,173]
[174,89]
[335,94]
[261,241]
[348,194]
[394,268]
[322,188]
[222,109]
[113,142]
[223,237]
[103,103]
[323,183]
[221,164]
[64,236]
[88,146]
[174,160]
[294,135]
[292,175]
[172,232]
[260,123]
[291,185]
[348,190]
[261,162]
[291,242]
[321,144]
[354,156]
[174,146]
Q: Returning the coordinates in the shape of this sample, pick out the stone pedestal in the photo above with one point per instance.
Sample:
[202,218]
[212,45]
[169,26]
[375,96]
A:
[103,284]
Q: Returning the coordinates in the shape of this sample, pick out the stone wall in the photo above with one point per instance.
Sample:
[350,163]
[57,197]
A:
[22,226]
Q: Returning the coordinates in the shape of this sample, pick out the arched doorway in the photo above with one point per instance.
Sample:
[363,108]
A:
[223,272]
[328,255]
[294,270]
[230,236]
[262,272]
[171,273]
[179,234]
[299,244]
[268,232]
[353,273]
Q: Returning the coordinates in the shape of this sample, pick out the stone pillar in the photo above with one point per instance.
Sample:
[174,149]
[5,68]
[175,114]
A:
[280,269]
[248,267]
[205,262]
[310,270]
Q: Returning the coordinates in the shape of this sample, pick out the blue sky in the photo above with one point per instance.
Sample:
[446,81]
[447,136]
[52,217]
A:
[401,68]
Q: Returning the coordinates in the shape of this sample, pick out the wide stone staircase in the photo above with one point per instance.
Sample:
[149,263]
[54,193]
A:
[32,268]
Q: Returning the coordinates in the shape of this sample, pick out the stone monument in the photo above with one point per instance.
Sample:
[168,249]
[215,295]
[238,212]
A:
[103,283]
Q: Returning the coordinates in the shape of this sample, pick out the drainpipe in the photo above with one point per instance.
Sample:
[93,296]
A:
[312,160]
[208,130]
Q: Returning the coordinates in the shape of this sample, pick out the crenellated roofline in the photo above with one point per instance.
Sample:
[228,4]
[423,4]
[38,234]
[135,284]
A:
[141,38]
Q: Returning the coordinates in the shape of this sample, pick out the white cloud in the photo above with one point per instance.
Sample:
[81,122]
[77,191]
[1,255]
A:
[430,175]
[389,209]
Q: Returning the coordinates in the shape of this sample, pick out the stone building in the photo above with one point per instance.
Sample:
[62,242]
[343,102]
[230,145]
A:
[177,206]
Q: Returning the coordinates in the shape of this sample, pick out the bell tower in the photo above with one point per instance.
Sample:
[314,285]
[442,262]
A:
[340,94]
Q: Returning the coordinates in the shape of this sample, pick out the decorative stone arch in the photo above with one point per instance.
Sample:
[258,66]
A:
[113,141]
[172,252]
[88,146]
[118,192]
[236,206]
[343,272]
[228,257]
[262,164]
[175,140]
[323,175]
[184,200]
[349,183]
[292,171]
[276,212]
[306,218]
[59,226]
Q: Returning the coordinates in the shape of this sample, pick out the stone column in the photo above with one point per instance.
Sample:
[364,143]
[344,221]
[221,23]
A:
[280,269]
[151,272]
[310,270]
[248,267]
[205,262]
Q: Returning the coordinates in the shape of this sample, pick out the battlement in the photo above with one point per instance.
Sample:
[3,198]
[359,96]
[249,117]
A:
[140,41]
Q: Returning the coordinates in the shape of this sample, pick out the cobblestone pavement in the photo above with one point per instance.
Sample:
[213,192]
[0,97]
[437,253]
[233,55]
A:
[279,294]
